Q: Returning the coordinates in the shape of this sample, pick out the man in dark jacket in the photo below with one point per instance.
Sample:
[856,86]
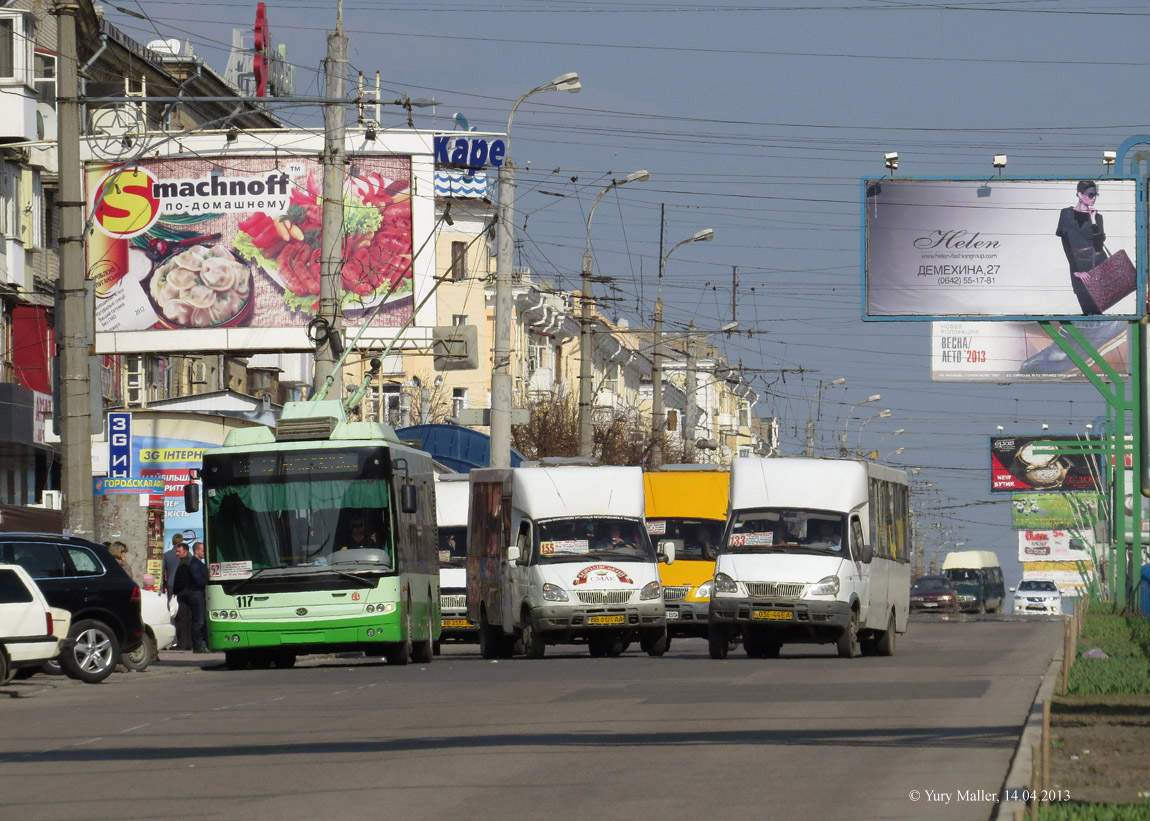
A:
[181,589]
[196,593]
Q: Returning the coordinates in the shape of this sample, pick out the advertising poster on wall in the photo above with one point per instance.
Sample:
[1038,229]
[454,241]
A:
[200,244]
[1054,511]
[1034,463]
[996,248]
[964,351]
[1055,546]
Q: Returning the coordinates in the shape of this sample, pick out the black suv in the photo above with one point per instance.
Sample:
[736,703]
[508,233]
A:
[82,577]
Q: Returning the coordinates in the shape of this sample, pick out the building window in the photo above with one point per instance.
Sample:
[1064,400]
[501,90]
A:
[45,78]
[458,320]
[458,261]
[7,49]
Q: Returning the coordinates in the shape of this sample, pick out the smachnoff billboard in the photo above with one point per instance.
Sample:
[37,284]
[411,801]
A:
[1036,463]
[204,244]
[1022,249]
[963,351]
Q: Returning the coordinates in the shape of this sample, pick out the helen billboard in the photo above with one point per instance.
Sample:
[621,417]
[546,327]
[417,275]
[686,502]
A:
[1000,248]
[1020,463]
[202,244]
[964,351]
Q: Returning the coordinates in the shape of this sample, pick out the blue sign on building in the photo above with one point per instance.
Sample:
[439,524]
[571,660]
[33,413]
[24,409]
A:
[119,445]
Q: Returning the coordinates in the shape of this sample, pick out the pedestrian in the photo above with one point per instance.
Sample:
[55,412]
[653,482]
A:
[119,552]
[196,593]
[181,589]
[171,562]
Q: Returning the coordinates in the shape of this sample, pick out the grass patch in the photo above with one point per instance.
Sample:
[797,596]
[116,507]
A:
[1094,812]
[1126,671]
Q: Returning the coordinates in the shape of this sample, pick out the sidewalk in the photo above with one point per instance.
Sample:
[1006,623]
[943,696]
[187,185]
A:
[1021,766]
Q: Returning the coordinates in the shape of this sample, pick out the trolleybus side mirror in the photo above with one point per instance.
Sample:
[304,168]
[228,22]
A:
[666,552]
[191,497]
[408,502]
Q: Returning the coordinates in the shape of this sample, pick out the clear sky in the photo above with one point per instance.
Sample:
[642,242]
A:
[757,120]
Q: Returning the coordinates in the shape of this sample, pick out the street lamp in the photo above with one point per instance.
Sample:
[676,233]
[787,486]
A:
[657,422]
[843,445]
[586,435]
[810,451]
[501,367]
[883,414]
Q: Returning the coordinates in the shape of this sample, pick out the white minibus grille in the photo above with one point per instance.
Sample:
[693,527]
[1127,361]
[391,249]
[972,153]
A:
[675,593]
[778,589]
[604,596]
[453,601]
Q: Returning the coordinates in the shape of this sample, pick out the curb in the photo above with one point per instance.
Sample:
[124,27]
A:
[1022,764]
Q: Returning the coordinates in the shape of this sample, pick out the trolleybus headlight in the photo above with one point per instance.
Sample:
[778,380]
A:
[553,592]
[651,590]
[826,586]
[724,584]
[704,591]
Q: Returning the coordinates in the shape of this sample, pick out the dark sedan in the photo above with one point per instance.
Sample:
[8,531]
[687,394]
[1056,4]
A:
[933,593]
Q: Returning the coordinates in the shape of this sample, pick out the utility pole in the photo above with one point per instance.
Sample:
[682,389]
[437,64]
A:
[691,387]
[734,292]
[329,347]
[500,429]
[72,330]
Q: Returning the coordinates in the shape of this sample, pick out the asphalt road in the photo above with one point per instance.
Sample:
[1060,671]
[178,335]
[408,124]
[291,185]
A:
[806,735]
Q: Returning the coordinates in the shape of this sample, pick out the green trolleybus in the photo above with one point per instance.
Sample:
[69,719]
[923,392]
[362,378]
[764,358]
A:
[321,538]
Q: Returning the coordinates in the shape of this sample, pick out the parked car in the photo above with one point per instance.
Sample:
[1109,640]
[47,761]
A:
[30,629]
[82,577]
[1037,596]
[933,593]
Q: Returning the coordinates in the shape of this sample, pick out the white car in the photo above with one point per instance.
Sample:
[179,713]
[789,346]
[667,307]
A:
[31,632]
[1037,596]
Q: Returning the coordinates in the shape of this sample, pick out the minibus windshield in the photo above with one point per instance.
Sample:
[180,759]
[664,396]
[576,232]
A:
[785,530]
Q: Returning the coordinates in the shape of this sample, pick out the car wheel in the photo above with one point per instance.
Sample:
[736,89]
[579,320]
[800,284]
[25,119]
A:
[136,661]
[848,643]
[884,644]
[534,647]
[655,644]
[94,655]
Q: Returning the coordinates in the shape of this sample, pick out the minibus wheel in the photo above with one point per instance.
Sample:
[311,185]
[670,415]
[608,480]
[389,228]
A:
[718,642]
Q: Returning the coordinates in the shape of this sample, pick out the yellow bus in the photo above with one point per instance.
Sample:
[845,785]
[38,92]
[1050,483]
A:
[687,505]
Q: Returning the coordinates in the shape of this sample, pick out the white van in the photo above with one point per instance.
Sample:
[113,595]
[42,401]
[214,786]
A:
[560,554]
[451,492]
[815,551]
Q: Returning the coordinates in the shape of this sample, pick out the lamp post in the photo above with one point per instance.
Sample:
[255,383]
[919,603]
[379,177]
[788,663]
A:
[657,423]
[501,367]
[810,444]
[843,444]
[586,433]
[883,414]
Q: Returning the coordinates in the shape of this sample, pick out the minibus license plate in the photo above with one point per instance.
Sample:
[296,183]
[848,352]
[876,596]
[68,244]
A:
[457,623]
[774,615]
[672,615]
[606,619]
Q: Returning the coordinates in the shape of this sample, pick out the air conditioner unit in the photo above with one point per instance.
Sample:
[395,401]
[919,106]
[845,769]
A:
[199,372]
[52,499]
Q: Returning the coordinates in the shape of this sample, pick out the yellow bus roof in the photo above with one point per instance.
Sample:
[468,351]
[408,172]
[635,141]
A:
[692,494]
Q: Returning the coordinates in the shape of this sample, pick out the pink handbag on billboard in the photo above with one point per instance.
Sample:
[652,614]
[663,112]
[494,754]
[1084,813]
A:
[1108,283]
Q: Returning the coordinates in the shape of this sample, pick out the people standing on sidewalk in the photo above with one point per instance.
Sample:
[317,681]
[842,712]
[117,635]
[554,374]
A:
[196,594]
[171,562]
[181,589]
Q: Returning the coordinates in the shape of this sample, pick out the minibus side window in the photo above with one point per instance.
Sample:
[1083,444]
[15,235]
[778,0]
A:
[856,538]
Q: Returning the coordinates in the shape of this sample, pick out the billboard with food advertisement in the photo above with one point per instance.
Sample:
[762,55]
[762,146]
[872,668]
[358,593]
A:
[1041,463]
[193,244]
[963,351]
[1002,249]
